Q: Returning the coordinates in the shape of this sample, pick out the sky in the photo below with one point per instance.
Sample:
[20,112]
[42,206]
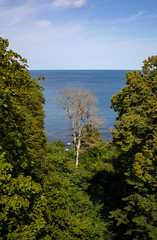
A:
[81,34]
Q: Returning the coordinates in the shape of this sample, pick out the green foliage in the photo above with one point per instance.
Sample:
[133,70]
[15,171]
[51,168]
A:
[19,220]
[90,137]
[21,112]
[63,222]
[76,203]
[22,149]
[135,137]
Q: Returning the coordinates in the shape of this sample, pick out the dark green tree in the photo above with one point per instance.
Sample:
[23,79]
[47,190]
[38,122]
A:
[22,148]
[72,213]
[65,220]
[135,137]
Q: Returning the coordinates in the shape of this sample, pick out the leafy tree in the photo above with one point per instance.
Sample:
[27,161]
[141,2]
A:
[22,148]
[135,137]
[90,137]
[81,215]
[64,220]
[79,106]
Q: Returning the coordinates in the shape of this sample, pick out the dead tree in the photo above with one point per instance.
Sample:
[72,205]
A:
[80,111]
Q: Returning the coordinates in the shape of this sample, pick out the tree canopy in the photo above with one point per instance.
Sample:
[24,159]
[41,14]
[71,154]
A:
[135,137]
[22,148]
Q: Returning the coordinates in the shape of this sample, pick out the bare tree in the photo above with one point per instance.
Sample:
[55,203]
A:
[80,109]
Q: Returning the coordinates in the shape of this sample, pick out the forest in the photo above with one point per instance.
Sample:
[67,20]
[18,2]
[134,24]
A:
[112,192]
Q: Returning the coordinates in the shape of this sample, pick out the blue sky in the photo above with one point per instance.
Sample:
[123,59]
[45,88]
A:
[81,34]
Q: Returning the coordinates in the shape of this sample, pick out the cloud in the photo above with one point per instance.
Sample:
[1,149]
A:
[132,18]
[13,15]
[68,3]
[79,3]
[136,16]
[42,24]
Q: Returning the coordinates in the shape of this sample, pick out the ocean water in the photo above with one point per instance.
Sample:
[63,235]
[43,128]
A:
[103,83]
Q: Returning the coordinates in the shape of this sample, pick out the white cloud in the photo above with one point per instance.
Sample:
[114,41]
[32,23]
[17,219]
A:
[79,3]
[136,16]
[132,18]
[42,24]
[68,3]
[12,15]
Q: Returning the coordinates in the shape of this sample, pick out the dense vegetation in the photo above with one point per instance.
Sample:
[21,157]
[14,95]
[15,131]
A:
[135,137]
[113,192]
[22,148]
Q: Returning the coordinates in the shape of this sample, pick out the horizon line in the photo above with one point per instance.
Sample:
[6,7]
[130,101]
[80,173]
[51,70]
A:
[129,69]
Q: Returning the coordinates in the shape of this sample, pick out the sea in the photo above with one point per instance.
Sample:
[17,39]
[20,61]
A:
[103,83]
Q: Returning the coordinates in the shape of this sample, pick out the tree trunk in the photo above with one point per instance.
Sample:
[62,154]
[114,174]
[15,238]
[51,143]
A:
[78,150]
[75,141]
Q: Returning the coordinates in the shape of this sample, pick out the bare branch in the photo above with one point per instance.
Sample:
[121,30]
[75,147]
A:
[80,111]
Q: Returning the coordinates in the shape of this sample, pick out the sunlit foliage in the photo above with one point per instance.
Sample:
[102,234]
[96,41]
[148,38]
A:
[135,137]
[22,148]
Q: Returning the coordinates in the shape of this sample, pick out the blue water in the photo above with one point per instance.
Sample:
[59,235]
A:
[104,83]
